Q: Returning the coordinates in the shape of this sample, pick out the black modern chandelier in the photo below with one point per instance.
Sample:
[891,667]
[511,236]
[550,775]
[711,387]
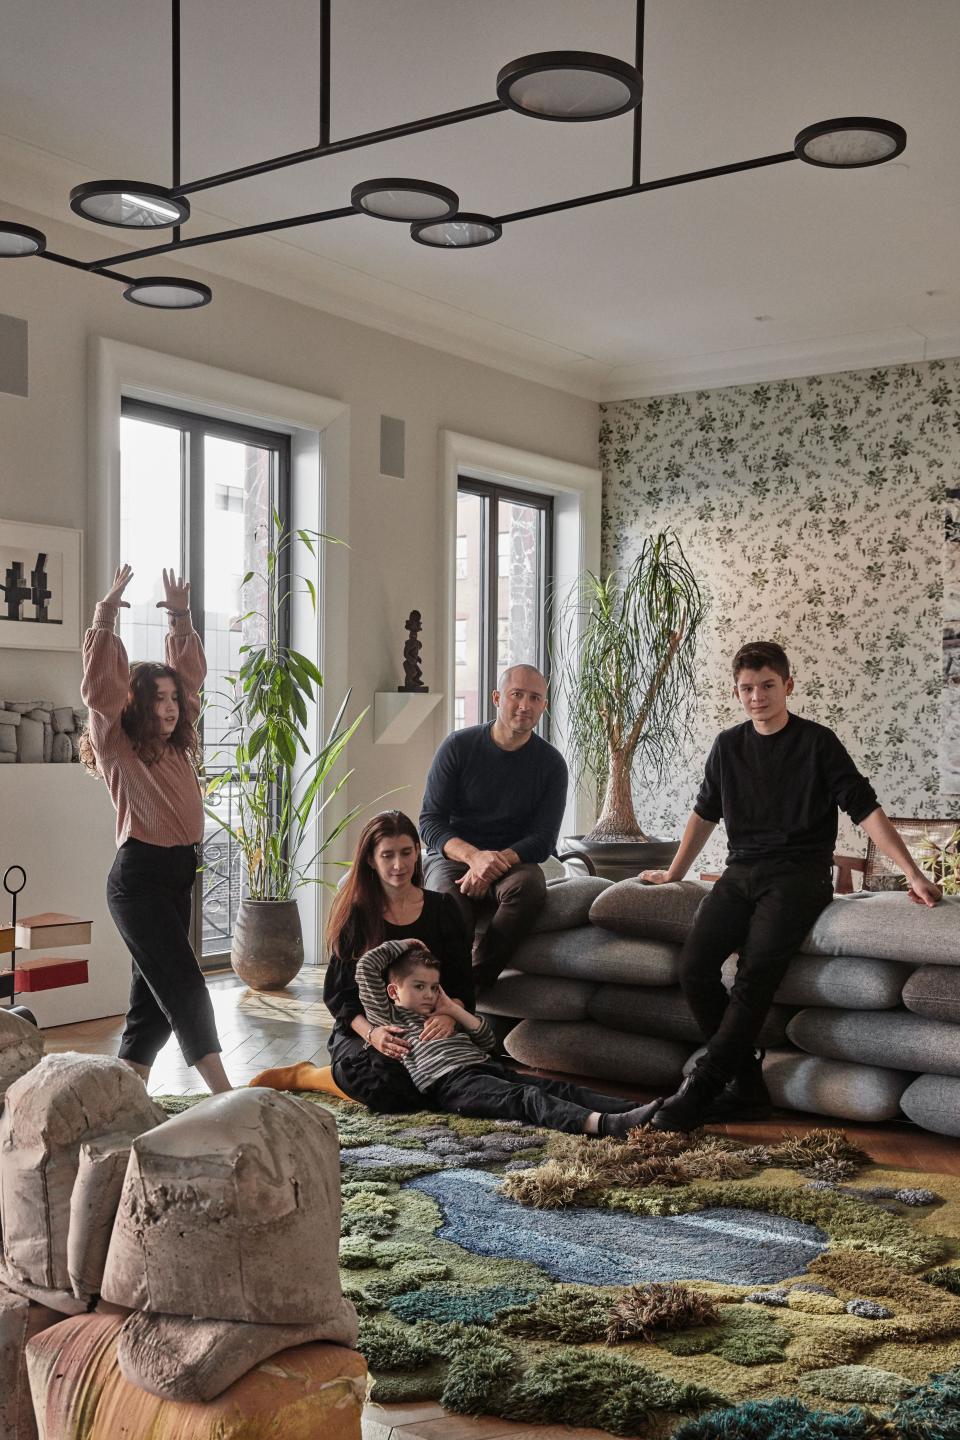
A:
[569,86]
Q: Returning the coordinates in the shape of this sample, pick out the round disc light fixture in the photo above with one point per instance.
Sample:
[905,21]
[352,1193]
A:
[850,143]
[129,204]
[460,232]
[570,85]
[17,240]
[167,292]
[402,199]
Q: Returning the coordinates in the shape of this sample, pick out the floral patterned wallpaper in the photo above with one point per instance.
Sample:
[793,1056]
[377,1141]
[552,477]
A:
[813,511]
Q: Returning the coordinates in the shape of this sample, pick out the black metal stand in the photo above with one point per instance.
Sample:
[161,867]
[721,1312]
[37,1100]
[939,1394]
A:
[8,978]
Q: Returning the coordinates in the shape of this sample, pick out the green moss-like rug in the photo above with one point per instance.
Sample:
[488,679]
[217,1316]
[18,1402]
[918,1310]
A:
[669,1285]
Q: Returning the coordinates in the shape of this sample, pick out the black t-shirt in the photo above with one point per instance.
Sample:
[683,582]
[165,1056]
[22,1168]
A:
[778,794]
[440,928]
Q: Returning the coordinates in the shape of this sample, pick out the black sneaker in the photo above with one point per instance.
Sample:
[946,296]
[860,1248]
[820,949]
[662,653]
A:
[745,1097]
[687,1108]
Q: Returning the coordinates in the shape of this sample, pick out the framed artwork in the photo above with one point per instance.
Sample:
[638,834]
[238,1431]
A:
[41,572]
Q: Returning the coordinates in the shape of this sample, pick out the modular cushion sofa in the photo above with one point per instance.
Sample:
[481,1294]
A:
[866,1025]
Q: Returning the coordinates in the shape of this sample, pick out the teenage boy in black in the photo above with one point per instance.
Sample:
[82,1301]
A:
[776,781]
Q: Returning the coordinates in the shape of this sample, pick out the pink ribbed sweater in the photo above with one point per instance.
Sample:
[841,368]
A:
[158,803]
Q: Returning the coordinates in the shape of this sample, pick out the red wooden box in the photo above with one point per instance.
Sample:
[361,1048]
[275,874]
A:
[48,974]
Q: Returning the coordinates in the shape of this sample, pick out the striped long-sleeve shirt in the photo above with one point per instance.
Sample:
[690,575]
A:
[161,803]
[425,1062]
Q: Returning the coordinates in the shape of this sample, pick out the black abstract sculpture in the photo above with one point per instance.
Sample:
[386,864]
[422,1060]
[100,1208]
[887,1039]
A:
[16,591]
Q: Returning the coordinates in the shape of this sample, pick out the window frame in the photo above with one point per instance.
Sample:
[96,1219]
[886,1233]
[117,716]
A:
[492,493]
[194,427]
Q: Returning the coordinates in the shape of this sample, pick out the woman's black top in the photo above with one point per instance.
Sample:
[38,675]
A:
[365,1074]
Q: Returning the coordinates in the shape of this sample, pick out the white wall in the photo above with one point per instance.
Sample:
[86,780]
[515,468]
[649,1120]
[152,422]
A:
[396,562]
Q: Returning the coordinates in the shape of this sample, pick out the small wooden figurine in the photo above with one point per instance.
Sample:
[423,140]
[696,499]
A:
[412,673]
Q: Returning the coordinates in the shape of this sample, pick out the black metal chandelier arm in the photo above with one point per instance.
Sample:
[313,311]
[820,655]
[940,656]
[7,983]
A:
[90,266]
[641,189]
[336,147]
[175,101]
[638,111]
[266,227]
[324,73]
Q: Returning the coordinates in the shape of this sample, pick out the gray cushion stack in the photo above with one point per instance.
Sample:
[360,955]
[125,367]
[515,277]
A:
[919,1039]
[865,1026]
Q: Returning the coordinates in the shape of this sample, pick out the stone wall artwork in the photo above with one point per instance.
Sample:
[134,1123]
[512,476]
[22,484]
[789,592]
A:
[40,578]
[34,732]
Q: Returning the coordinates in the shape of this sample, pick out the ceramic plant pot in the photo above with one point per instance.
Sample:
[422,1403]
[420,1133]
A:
[621,860]
[267,949]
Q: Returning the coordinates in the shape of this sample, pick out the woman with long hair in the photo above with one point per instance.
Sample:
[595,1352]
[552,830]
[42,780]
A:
[142,740]
[383,899]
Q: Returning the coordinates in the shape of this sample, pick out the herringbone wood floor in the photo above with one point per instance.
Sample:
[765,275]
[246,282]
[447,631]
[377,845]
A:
[261,1030]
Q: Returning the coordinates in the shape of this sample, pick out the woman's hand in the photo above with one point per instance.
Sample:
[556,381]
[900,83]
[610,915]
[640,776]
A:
[438,1027]
[388,1039]
[121,579]
[177,592]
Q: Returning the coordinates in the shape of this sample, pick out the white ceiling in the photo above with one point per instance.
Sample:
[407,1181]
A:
[778,271]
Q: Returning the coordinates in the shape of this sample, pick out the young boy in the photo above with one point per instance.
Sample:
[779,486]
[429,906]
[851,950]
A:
[776,781]
[399,984]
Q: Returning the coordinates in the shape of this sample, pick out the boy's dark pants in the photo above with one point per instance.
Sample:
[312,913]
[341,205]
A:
[518,897]
[494,1093]
[149,891]
[764,912]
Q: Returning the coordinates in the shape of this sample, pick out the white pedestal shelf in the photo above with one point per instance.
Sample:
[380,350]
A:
[397,714]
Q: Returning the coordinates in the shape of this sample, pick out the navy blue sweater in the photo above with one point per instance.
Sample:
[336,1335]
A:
[495,799]
[778,794]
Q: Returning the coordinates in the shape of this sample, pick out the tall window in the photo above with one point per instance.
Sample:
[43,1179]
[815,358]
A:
[201,495]
[504,540]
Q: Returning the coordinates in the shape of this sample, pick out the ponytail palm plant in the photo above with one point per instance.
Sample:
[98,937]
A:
[627,675]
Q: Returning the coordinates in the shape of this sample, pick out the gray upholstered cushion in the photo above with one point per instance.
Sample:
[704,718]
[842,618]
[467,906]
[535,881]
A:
[664,1011]
[652,912]
[536,997]
[580,1047]
[893,1038]
[592,954]
[833,1087]
[933,1101]
[888,927]
[933,991]
[568,902]
[847,982]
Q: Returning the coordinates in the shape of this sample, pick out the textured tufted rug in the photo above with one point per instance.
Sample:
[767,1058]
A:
[667,1286]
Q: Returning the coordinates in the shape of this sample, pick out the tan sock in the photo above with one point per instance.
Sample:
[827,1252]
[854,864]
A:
[302,1076]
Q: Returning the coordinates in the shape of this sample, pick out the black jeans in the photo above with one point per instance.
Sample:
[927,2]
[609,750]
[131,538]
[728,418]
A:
[495,1093]
[764,912]
[148,892]
[518,897]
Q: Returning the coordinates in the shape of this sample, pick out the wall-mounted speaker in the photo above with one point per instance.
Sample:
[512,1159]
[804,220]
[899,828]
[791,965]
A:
[13,355]
[392,440]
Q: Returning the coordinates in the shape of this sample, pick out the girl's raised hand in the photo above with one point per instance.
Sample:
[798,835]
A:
[177,593]
[121,579]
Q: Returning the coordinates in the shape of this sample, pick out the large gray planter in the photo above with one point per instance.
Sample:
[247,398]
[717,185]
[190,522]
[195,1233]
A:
[621,860]
[267,949]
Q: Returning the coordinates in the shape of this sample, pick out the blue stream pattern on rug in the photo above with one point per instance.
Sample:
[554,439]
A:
[607,1247]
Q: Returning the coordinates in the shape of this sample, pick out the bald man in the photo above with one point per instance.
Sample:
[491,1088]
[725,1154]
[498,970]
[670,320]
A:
[491,814]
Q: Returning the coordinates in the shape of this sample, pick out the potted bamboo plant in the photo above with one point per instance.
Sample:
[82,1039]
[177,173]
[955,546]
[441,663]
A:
[627,677]
[276,785]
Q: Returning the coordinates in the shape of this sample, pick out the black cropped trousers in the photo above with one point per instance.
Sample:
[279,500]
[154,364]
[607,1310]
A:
[149,891]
